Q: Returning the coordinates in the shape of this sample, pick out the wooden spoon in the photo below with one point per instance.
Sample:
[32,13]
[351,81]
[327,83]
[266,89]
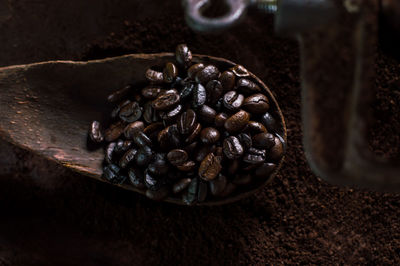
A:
[47,108]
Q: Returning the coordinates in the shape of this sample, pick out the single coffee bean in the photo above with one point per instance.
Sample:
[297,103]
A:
[209,167]
[233,100]
[149,114]
[166,101]
[245,140]
[187,122]
[183,55]
[119,94]
[152,92]
[111,174]
[229,189]
[199,96]
[232,148]
[127,158]
[220,119]
[130,112]
[264,141]
[247,86]
[269,122]
[159,194]
[194,134]
[159,167]
[172,115]
[209,135]
[191,72]
[187,91]
[264,170]
[170,72]
[254,127]
[208,73]
[207,114]
[240,71]
[143,156]
[177,157]
[154,77]
[276,152]
[191,194]
[115,111]
[242,179]
[152,182]
[218,185]
[227,80]
[256,103]
[237,122]
[109,152]
[153,129]
[132,128]
[181,185]
[214,91]
[141,139]
[191,148]
[114,132]
[136,178]
[95,132]
[233,166]
[254,156]
[203,152]
[187,166]
[202,191]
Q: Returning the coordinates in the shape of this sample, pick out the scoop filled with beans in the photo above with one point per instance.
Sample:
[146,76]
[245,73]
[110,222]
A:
[195,133]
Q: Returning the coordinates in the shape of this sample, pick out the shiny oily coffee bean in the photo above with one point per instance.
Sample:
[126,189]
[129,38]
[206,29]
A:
[240,71]
[207,114]
[132,128]
[123,146]
[199,96]
[119,94]
[136,178]
[254,127]
[264,170]
[269,122]
[144,156]
[95,132]
[209,135]
[177,157]
[208,73]
[187,122]
[254,156]
[149,114]
[114,132]
[203,152]
[210,167]
[247,86]
[256,103]
[159,194]
[170,72]
[183,55]
[227,80]
[115,111]
[111,174]
[130,112]
[110,152]
[264,141]
[194,134]
[181,185]
[141,139]
[276,152]
[245,140]
[242,179]
[153,129]
[233,100]
[214,91]
[191,72]
[155,77]
[127,158]
[152,92]
[232,148]
[172,115]
[191,193]
[220,119]
[187,166]
[186,92]
[202,191]
[217,185]
[166,101]
[152,182]
[237,122]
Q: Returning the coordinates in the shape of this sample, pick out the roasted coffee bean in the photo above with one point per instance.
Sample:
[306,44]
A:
[218,185]
[152,182]
[209,167]
[219,105]
[152,92]
[159,194]
[141,139]
[254,127]
[227,80]
[127,158]
[154,77]
[187,91]
[149,114]
[233,100]
[233,166]
[199,96]
[181,185]
[202,191]
[143,156]
[269,122]
[240,71]
[191,194]
[203,152]
[214,91]
[130,112]
[232,148]
[207,114]
[209,135]
[132,128]
[264,141]
[264,170]
[183,55]
[136,178]
[237,122]
[219,151]
[187,166]
[177,157]
[247,86]
[194,134]
[245,140]
[256,103]
[242,179]
[153,129]
[122,146]
[166,101]
[112,174]
[95,132]
[172,115]
[254,156]
[109,152]
[191,72]
[276,152]
[115,111]
[187,122]
[220,119]
[159,167]
[173,135]
[208,73]
[119,94]
[229,189]
[114,132]
[170,72]
[191,148]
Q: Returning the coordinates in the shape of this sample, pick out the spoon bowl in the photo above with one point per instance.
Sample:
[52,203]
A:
[47,108]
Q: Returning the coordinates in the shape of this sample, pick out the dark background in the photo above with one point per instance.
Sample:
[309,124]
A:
[50,216]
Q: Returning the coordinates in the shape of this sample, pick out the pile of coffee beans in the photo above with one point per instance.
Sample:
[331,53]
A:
[195,132]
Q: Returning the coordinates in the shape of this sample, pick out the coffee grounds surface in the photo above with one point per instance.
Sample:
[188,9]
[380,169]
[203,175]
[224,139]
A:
[51,216]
